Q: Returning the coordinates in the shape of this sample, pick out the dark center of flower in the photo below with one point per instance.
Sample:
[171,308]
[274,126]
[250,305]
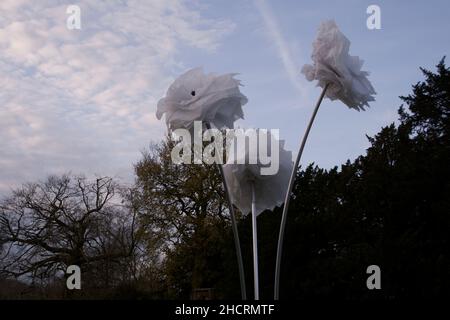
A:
[193,93]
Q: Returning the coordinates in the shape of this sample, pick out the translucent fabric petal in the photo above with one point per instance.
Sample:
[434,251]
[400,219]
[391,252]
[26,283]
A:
[270,190]
[196,96]
[333,65]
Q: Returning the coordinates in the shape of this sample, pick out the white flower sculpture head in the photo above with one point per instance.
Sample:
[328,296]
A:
[270,189]
[196,96]
[333,65]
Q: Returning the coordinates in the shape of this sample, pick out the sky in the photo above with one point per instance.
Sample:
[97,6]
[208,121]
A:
[84,101]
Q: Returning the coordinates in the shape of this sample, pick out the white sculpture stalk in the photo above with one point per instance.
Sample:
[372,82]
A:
[255,244]
[288,196]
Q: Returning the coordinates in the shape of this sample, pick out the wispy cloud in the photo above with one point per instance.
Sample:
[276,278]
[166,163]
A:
[284,52]
[84,100]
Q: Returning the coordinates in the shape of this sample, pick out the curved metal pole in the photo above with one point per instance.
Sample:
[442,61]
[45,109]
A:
[235,229]
[288,196]
[255,244]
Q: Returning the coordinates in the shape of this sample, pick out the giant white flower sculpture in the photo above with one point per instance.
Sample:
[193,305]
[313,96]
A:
[341,78]
[251,189]
[270,189]
[333,66]
[196,96]
[216,101]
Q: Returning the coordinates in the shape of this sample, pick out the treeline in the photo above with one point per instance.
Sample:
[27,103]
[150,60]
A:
[169,234]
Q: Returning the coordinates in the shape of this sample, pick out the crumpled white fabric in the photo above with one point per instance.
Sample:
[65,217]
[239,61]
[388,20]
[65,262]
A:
[270,190]
[332,64]
[196,96]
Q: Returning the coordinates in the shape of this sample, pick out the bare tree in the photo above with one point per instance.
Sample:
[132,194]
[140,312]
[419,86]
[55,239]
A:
[45,227]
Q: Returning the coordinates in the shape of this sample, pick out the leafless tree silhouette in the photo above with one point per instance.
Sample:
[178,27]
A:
[45,227]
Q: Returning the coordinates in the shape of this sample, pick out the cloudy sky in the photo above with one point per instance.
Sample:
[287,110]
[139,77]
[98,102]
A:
[84,100]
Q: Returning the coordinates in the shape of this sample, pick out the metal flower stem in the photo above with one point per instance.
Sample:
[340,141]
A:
[255,244]
[288,196]
[234,227]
